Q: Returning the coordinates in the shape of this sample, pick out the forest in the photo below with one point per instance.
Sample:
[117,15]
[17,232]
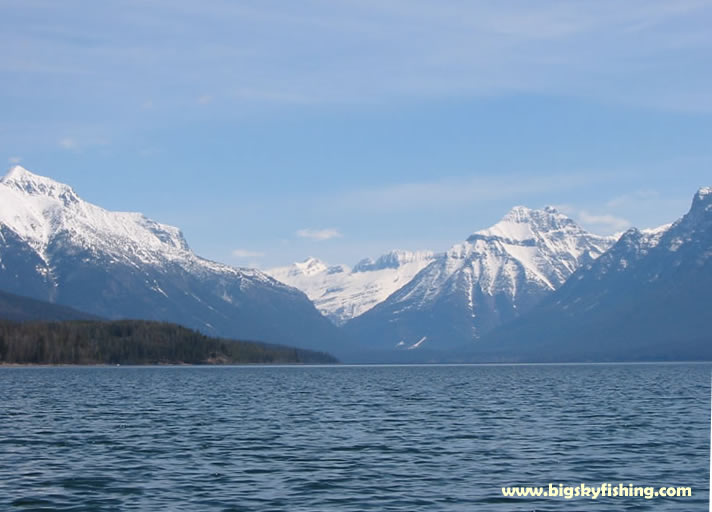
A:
[135,342]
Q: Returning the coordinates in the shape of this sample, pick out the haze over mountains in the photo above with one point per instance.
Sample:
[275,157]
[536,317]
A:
[535,286]
[342,293]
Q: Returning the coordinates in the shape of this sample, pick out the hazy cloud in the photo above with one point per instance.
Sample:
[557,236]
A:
[606,222]
[286,52]
[245,253]
[319,234]
[449,192]
[14,160]
[634,197]
[69,143]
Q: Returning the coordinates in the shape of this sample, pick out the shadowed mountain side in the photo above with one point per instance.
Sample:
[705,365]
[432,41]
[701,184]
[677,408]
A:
[22,309]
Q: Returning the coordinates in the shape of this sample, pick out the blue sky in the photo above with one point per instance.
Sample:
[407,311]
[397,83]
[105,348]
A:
[272,131]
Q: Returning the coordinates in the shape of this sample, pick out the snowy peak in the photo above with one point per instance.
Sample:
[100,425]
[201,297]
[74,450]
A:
[631,246]
[694,227]
[55,246]
[702,202]
[633,243]
[42,212]
[650,237]
[491,278]
[704,192]
[547,244]
[392,259]
[342,293]
[20,179]
[308,267]
[522,223]
[648,294]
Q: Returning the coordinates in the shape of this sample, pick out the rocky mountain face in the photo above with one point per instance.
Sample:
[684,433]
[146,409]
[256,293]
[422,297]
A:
[493,277]
[342,293]
[56,247]
[648,297]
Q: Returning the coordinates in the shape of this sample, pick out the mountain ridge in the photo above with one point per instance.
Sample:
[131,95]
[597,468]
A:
[645,298]
[56,247]
[341,292]
[487,280]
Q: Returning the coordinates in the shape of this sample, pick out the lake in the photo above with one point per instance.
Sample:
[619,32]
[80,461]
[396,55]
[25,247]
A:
[350,438]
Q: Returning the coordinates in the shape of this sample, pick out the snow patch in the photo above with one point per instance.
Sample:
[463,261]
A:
[342,293]
[42,211]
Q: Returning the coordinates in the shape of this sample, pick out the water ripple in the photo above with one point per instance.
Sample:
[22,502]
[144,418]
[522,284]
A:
[349,438]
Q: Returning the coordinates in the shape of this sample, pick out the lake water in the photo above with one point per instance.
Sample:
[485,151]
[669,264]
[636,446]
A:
[393,438]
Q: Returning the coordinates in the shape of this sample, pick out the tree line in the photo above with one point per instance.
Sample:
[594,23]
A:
[134,342]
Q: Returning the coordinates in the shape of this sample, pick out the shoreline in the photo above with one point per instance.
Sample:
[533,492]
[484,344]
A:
[340,365]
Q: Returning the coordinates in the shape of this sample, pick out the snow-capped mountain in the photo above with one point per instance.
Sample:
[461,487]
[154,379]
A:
[647,297]
[342,293]
[55,246]
[491,278]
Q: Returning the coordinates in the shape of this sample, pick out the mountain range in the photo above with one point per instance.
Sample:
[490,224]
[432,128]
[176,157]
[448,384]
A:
[413,300]
[342,293]
[647,297]
[56,247]
[535,286]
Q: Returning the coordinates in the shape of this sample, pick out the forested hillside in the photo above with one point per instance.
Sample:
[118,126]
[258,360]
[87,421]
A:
[134,342]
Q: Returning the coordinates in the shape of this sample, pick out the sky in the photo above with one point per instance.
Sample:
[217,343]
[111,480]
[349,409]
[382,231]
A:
[270,131]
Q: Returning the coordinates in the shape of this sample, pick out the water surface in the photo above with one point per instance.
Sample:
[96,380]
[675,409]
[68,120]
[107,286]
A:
[393,438]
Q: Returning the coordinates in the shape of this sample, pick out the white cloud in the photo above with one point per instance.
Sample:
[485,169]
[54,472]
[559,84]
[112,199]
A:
[275,96]
[205,99]
[245,253]
[14,160]
[649,52]
[319,234]
[451,192]
[606,222]
[83,142]
[632,198]
[149,151]
[69,143]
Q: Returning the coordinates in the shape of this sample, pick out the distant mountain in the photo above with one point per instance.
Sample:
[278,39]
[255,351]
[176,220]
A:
[342,293]
[648,297]
[56,247]
[22,309]
[490,279]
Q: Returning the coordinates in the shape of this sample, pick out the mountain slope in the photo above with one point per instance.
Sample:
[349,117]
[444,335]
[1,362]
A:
[22,309]
[342,293]
[491,278]
[56,247]
[648,297]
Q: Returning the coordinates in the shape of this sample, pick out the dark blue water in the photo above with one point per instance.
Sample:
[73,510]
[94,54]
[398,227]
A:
[349,438]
